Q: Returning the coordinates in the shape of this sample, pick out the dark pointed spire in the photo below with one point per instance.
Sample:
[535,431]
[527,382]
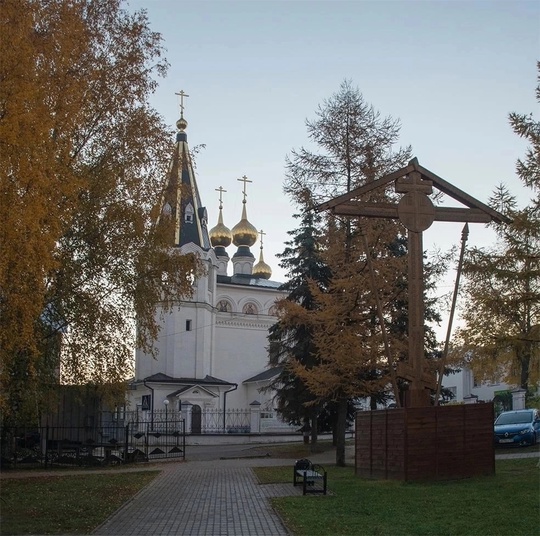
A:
[182,200]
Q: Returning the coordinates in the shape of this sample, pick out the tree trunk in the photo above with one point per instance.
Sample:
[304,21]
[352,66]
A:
[314,433]
[341,428]
[524,372]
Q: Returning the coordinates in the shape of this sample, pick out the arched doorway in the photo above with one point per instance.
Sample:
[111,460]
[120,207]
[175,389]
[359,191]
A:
[196,419]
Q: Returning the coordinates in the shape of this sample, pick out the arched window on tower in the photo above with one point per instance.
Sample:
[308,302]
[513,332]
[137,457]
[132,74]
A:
[189,213]
[167,210]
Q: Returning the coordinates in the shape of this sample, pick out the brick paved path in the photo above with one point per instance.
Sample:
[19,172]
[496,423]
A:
[218,498]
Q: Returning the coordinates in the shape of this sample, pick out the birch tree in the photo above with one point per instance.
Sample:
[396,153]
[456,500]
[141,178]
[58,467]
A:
[82,162]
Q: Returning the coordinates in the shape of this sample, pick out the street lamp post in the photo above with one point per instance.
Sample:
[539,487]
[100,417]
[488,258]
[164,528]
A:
[166,404]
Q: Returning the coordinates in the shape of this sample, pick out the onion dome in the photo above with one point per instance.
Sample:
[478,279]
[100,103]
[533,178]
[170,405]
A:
[220,235]
[244,233]
[261,269]
[181,124]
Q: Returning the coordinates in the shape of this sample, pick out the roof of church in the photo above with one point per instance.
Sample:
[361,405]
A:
[248,280]
[165,378]
[263,376]
[182,199]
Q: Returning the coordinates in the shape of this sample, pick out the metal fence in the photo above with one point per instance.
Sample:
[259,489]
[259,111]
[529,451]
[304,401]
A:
[82,445]
[232,421]
[198,421]
[115,437]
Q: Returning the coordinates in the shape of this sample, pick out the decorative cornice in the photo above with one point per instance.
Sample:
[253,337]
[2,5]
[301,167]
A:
[245,323]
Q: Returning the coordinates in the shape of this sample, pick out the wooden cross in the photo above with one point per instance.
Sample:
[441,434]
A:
[182,94]
[416,211]
[245,180]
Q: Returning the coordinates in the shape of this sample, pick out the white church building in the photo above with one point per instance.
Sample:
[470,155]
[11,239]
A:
[212,347]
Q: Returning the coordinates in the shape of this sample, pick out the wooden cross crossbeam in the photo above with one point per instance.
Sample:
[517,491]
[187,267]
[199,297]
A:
[439,183]
[390,211]
[405,371]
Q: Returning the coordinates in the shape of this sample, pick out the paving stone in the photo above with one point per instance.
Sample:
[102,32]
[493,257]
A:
[218,498]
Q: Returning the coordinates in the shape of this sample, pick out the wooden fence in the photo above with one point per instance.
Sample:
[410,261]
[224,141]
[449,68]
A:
[431,443]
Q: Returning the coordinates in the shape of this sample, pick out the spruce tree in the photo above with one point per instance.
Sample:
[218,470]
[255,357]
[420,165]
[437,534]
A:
[294,344]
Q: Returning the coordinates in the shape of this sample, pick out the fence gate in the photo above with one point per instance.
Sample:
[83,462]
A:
[151,440]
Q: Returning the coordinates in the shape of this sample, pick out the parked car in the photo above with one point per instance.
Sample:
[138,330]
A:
[520,427]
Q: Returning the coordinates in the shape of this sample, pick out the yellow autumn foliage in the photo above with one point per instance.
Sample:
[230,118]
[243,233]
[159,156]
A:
[82,165]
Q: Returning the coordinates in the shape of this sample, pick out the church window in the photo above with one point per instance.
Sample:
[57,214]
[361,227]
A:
[224,306]
[203,216]
[188,325]
[272,311]
[250,309]
[189,213]
[167,210]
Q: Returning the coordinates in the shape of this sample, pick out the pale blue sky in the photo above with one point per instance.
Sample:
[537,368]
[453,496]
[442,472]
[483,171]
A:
[255,71]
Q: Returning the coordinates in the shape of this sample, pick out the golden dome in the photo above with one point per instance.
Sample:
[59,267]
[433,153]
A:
[220,235]
[261,269]
[181,124]
[243,233]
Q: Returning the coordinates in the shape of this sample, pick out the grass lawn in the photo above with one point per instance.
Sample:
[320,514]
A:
[506,503]
[63,504]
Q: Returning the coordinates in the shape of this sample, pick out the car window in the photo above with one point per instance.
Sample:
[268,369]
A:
[514,418]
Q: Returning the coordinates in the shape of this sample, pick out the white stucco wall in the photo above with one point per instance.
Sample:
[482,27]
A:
[464,385]
[241,339]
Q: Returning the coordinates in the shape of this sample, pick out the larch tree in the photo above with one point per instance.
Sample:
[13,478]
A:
[501,332]
[82,162]
[355,145]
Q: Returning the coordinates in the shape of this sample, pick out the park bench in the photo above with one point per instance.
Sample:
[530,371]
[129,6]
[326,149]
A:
[312,476]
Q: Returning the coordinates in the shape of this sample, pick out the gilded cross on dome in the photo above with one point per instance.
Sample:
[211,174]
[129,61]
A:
[221,192]
[182,94]
[245,180]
